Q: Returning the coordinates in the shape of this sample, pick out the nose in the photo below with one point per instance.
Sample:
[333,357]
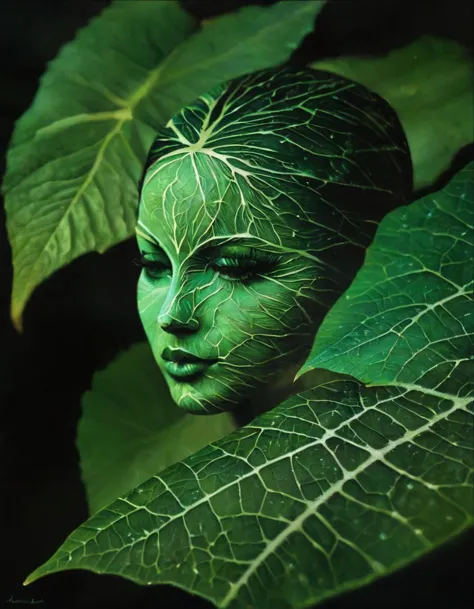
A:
[174,325]
[177,313]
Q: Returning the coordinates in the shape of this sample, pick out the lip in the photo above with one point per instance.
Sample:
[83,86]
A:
[186,370]
[183,364]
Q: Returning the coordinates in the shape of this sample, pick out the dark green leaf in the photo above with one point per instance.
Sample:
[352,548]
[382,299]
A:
[408,317]
[430,83]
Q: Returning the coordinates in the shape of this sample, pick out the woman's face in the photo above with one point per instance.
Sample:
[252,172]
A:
[226,279]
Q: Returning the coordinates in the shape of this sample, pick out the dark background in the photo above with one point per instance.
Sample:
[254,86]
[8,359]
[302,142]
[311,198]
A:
[78,320]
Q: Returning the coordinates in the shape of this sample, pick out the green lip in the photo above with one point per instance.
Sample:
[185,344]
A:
[186,369]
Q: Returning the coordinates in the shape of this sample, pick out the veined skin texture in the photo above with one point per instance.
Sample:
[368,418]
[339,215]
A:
[257,203]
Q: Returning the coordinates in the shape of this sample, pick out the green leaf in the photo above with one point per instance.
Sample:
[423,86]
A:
[131,429]
[430,83]
[342,483]
[76,155]
[408,317]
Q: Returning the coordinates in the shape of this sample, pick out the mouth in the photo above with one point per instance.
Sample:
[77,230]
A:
[184,365]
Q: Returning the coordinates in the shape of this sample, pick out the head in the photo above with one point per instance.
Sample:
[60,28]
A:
[257,203]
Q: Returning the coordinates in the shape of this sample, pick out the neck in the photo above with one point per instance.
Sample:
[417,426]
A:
[279,391]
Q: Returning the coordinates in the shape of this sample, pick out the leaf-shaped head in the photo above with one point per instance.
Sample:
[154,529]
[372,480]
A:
[257,203]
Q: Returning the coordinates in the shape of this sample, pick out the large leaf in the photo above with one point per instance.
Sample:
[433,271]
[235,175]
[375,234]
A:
[342,483]
[430,83]
[409,315]
[131,429]
[76,155]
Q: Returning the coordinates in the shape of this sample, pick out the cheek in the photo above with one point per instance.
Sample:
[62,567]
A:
[149,302]
[278,307]
[268,312]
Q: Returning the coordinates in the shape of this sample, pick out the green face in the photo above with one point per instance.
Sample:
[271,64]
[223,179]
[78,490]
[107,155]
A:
[258,203]
[226,278]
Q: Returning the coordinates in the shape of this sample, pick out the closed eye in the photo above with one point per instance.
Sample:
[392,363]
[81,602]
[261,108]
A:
[241,269]
[154,269]
[248,265]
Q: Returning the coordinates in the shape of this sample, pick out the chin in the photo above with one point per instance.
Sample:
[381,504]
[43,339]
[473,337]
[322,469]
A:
[204,396]
[194,398]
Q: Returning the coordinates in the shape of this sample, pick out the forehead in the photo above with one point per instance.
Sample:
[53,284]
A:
[195,199]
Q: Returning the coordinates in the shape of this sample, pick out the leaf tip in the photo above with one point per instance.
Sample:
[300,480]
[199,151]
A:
[16,315]
[300,373]
[39,572]
[30,579]
[17,320]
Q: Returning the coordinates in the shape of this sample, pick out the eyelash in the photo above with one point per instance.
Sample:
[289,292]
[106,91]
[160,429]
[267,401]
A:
[234,271]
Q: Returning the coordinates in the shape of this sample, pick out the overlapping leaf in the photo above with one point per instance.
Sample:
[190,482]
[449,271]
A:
[407,319]
[131,429]
[344,482]
[430,83]
[77,154]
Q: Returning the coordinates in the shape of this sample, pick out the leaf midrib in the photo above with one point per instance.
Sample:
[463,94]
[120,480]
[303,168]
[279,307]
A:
[375,455]
[296,524]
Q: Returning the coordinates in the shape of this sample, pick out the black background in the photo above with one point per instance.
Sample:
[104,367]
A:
[78,320]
